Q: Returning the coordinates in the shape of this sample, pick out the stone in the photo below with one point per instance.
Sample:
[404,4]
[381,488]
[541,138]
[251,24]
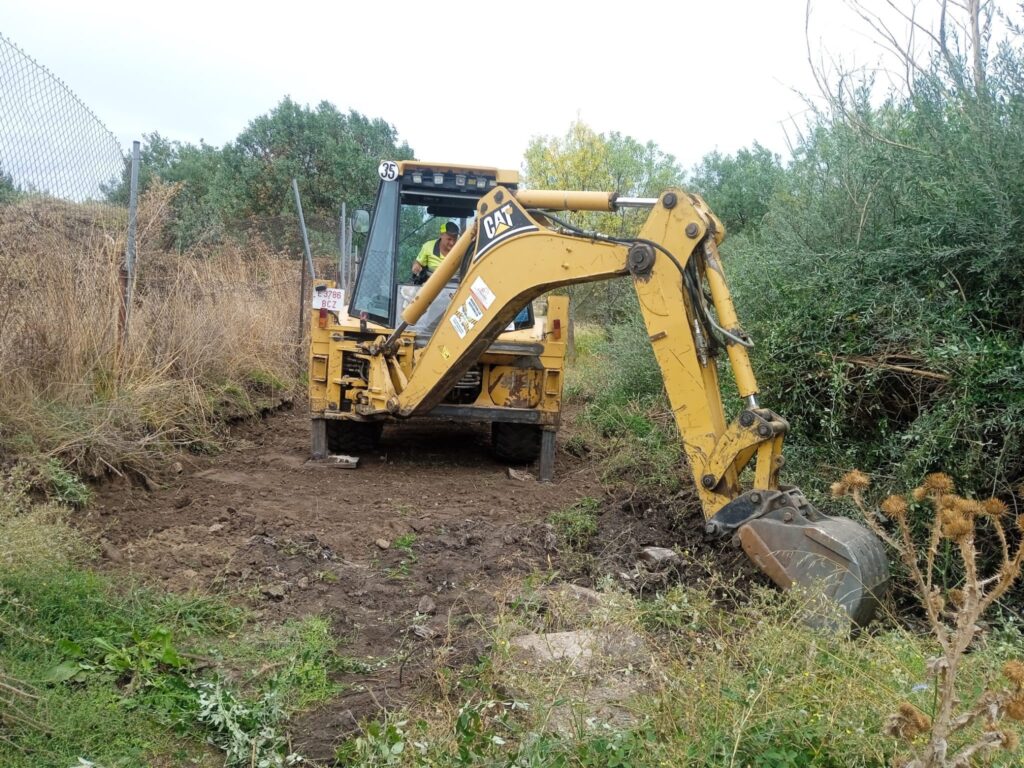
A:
[519,474]
[660,557]
[572,599]
[424,632]
[607,668]
[583,650]
[382,543]
[216,528]
[426,605]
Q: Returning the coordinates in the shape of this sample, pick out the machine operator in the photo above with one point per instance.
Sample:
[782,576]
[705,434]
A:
[433,252]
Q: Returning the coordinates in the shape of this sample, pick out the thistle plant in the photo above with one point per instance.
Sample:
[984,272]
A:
[952,615]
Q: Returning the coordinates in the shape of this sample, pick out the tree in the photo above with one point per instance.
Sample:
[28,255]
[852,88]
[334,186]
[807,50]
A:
[586,160]
[246,185]
[739,188]
[334,156]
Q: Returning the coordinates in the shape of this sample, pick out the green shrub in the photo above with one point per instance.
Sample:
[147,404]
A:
[884,286]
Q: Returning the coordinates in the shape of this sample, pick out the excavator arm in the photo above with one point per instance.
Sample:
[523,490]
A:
[517,251]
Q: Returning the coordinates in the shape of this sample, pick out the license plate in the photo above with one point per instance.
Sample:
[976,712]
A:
[331,299]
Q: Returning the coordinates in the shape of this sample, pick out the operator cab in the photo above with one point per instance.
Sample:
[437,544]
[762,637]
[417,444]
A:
[414,201]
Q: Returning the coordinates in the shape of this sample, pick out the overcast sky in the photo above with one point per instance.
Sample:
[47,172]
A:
[466,82]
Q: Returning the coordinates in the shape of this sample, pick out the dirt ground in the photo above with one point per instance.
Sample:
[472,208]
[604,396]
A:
[400,554]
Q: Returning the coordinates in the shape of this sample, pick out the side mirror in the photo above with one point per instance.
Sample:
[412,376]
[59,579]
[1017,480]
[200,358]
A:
[361,221]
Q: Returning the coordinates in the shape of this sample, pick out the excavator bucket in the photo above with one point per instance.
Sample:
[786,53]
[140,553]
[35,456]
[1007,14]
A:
[795,544]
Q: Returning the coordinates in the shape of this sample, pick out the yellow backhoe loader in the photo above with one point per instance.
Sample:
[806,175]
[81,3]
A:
[466,345]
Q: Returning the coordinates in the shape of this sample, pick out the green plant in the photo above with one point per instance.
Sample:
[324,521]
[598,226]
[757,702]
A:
[405,541]
[249,733]
[64,485]
[576,525]
[381,743]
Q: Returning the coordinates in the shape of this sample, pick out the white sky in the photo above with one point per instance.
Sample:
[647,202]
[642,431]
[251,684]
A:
[461,81]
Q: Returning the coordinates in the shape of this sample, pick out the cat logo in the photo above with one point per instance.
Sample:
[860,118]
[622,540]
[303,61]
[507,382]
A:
[502,223]
[498,222]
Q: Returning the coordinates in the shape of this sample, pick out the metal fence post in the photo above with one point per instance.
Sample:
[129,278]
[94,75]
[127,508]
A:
[127,271]
[309,261]
[343,247]
[302,226]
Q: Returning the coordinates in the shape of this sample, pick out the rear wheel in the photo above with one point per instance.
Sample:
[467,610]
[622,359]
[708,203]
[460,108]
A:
[349,436]
[515,443]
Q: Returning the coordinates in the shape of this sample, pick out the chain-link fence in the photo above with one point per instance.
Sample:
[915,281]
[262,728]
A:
[50,142]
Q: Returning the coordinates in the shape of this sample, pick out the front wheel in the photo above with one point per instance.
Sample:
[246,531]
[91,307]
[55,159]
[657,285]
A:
[515,443]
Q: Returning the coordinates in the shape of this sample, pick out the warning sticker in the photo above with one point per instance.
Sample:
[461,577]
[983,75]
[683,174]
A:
[482,293]
[445,353]
[472,309]
[459,327]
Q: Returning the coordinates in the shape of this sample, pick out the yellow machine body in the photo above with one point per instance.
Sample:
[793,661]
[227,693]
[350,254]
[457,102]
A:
[513,251]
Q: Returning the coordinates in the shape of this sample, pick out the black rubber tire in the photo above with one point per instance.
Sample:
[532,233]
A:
[515,443]
[353,437]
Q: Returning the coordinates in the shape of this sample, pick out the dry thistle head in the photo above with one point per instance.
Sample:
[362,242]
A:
[908,722]
[1010,740]
[920,493]
[957,527]
[894,507]
[968,507]
[936,601]
[938,483]
[1020,523]
[1014,707]
[852,482]
[1014,672]
[995,508]
[956,597]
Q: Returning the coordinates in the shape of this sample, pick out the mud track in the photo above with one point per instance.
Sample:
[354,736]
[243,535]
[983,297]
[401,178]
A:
[404,555]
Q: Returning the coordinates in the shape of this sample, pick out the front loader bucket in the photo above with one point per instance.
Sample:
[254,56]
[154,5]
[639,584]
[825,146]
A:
[793,543]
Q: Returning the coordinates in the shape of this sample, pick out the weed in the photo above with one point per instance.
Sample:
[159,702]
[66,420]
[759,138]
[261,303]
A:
[403,544]
[405,541]
[576,526]
[110,667]
[65,486]
[953,734]
[247,732]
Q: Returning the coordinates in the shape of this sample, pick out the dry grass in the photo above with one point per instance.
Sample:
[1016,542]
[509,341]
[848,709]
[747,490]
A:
[211,334]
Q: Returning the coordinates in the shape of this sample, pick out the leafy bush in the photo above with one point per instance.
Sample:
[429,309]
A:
[886,282]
